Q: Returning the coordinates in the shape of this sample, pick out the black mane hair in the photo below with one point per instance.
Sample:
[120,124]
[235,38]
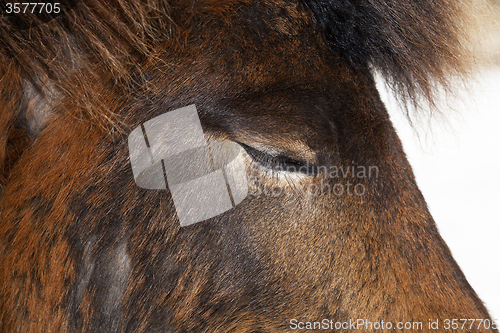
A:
[416,45]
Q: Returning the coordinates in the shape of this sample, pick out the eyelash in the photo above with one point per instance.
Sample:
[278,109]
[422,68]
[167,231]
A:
[280,162]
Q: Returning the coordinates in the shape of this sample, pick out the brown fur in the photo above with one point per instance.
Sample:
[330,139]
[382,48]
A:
[83,249]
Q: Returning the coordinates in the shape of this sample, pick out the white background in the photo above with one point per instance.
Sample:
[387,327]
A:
[456,161]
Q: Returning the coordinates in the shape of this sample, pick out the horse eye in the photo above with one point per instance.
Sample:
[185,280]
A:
[280,162]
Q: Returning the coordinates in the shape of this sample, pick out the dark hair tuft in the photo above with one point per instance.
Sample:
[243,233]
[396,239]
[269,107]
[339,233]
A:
[416,45]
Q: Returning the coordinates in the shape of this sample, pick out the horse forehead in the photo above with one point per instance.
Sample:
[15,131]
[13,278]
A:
[250,42]
[241,22]
[260,64]
[245,9]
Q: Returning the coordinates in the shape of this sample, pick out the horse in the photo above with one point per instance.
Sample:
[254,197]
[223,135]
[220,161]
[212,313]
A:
[329,230]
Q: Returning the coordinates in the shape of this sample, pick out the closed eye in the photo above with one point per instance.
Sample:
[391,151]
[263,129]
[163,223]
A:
[280,162]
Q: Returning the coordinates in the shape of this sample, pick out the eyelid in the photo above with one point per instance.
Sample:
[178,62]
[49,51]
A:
[263,149]
[281,161]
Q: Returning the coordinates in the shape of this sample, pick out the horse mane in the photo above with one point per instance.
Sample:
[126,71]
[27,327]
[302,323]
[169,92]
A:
[417,46]
[114,32]
[77,55]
